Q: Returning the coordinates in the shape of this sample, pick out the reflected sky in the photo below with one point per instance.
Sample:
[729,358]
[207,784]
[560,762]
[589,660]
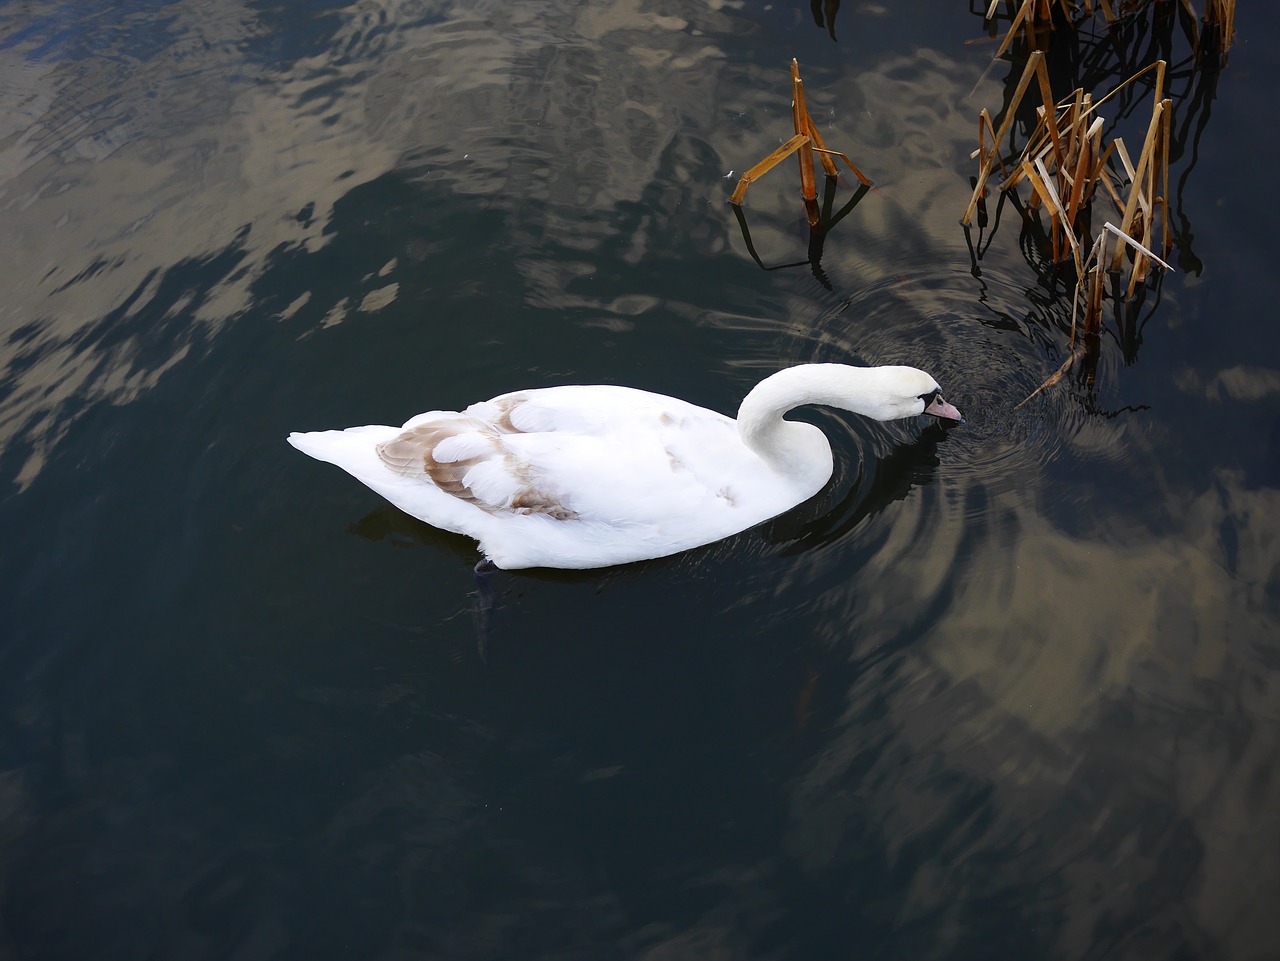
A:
[204,143]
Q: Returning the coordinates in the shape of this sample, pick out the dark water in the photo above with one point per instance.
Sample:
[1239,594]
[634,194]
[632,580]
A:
[1008,691]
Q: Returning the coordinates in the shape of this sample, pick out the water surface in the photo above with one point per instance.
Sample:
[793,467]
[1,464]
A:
[1004,691]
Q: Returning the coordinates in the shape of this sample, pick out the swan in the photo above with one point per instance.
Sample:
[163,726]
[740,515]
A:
[591,476]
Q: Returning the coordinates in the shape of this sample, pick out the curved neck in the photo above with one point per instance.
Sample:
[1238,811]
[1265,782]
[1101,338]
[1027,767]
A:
[790,446]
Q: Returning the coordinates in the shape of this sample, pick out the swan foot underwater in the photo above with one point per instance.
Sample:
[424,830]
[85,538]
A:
[580,477]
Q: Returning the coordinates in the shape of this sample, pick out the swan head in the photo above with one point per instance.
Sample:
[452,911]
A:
[893,393]
[919,393]
[881,393]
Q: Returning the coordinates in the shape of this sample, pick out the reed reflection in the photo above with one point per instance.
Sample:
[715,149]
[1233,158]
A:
[1130,58]
[824,14]
[817,233]
[880,482]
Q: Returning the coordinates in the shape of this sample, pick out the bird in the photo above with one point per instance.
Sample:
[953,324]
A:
[586,476]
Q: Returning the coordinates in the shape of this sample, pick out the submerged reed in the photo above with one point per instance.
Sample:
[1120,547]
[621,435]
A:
[806,142]
[1070,162]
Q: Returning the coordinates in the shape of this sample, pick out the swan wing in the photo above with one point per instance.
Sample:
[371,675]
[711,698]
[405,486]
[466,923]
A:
[580,476]
[606,455]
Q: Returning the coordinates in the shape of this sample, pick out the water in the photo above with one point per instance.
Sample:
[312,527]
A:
[1004,691]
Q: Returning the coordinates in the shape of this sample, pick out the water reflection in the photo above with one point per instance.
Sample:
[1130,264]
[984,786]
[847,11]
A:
[824,14]
[817,235]
[1100,60]
[1005,690]
[843,506]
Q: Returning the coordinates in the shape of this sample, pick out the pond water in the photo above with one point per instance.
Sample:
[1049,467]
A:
[1004,691]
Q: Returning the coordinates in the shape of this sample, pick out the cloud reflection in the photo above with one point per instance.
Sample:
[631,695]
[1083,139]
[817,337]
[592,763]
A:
[1075,719]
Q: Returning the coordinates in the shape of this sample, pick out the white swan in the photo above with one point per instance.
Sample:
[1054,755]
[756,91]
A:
[581,477]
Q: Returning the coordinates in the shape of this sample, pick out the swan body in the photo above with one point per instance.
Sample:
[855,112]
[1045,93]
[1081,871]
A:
[592,476]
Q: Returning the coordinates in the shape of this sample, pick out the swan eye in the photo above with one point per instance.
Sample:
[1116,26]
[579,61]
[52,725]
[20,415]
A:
[929,397]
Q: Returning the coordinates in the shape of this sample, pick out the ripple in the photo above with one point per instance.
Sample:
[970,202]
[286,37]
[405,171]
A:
[922,317]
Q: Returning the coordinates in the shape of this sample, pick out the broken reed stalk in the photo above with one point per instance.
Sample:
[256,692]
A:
[1138,218]
[1034,18]
[1090,288]
[1065,161]
[799,116]
[1032,21]
[1219,28]
[1035,69]
[806,142]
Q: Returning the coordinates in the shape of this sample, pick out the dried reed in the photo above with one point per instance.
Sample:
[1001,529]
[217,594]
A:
[1219,28]
[1090,287]
[1032,21]
[1066,162]
[806,142]
[1069,161]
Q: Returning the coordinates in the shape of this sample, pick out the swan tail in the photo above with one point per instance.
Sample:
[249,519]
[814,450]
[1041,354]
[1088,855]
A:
[355,450]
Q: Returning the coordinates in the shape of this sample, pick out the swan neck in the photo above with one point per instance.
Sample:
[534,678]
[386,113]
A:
[791,447]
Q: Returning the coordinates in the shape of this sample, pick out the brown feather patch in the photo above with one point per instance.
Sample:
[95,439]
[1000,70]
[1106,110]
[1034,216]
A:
[412,454]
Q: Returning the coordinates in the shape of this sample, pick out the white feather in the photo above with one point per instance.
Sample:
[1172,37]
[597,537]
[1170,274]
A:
[590,476]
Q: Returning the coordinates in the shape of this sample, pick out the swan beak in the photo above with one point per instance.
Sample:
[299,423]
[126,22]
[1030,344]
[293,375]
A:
[940,408]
